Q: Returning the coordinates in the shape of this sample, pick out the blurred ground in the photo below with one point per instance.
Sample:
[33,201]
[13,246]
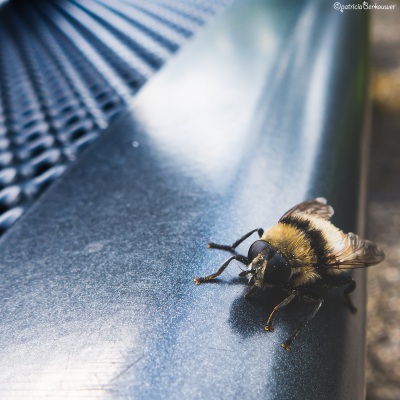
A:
[383,328]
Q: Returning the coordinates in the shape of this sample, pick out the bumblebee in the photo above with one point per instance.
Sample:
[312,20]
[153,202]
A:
[302,251]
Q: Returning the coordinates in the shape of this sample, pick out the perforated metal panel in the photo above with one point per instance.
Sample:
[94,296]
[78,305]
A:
[66,69]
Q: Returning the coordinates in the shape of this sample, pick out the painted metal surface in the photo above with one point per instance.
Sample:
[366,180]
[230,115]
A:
[262,110]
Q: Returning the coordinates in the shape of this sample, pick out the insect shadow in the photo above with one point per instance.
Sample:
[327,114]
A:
[248,316]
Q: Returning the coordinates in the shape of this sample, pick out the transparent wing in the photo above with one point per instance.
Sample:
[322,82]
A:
[317,207]
[356,253]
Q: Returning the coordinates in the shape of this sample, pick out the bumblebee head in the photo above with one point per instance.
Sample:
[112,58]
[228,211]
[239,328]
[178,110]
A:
[269,266]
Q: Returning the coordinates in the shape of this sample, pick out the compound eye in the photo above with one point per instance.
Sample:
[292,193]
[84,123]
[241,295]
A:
[256,248]
[278,270]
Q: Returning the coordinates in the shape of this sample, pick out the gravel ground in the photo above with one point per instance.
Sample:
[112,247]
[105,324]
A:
[383,328]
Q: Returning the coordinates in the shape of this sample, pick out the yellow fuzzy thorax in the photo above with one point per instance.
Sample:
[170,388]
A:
[295,247]
[292,243]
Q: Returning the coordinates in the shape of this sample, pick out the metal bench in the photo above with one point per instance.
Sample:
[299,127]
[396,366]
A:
[263,109]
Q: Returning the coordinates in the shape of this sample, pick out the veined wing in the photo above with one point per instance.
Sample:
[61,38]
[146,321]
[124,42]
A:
[317,207]
[356,253]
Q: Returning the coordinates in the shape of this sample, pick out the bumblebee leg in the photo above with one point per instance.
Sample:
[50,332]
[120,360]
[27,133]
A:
[220,270]
[251,291]
[346,292]
[288,343]
[242,259]
[272,316]
[232,248]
